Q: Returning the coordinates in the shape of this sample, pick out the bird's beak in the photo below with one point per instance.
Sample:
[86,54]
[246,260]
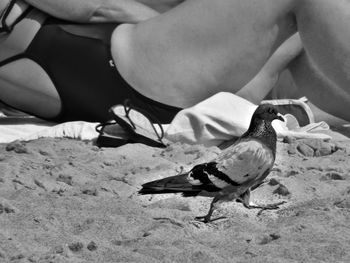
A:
[280,117]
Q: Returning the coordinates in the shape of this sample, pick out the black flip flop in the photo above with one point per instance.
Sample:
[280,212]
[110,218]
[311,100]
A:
[137,126]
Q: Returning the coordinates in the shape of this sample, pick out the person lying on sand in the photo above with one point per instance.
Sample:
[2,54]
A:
[178,58]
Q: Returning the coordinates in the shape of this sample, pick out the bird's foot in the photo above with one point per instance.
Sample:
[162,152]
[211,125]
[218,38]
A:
[207,219]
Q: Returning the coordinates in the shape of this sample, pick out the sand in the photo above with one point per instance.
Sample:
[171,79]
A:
[64,200]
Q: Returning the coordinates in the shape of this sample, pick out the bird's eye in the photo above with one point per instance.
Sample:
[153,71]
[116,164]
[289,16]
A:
[271,111]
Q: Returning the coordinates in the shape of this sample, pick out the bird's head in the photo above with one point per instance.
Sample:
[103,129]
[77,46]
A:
[267,112]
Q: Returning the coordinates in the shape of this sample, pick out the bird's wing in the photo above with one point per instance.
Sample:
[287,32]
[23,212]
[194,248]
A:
[208,175]
[243,162]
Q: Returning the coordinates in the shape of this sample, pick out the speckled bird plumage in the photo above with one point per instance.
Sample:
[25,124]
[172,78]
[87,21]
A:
[235,171]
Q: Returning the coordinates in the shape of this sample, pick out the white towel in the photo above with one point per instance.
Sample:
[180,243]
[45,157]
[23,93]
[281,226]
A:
[224,116]
[210,122]
[30,128]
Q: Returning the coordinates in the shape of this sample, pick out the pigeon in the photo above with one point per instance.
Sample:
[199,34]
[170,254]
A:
[238,169]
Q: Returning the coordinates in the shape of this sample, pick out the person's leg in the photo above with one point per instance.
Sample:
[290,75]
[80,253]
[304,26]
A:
[323,72]
[258,88]
[317,87]
[25,86]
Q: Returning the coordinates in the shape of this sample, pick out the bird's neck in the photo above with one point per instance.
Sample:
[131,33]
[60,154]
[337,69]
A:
[263,131]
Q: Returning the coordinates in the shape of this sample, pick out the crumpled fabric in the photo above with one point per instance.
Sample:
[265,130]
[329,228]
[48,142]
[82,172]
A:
[225,116]
[211,122]
[80,130]
[30,128]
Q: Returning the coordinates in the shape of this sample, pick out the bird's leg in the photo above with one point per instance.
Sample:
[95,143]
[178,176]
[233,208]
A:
[245,198]
[207,217]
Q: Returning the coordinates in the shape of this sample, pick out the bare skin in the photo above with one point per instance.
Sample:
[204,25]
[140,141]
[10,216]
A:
[202,47]
[182,53]
[96,10]
[259,87]
[45,102]
[100,11]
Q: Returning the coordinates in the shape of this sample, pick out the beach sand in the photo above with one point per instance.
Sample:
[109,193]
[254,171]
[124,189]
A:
[65,200]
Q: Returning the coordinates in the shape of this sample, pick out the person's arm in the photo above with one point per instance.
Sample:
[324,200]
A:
[96,11]
[257,89]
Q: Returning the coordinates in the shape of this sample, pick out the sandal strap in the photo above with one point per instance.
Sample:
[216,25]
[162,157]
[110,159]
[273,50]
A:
[130,129]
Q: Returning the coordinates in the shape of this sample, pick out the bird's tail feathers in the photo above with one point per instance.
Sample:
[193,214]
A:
[173,184]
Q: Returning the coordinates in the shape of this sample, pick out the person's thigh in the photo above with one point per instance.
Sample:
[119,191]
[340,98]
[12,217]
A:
[322,91]
[24,85]
[212,46]
[323,72]
[324,29]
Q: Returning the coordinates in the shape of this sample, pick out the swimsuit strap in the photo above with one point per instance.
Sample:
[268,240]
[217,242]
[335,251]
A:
[13,13]
[22,34]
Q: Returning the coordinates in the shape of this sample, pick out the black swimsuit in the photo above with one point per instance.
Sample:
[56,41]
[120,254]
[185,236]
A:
[78,60]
